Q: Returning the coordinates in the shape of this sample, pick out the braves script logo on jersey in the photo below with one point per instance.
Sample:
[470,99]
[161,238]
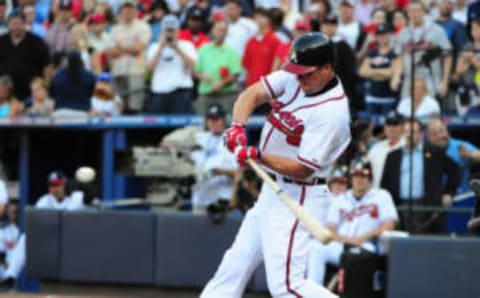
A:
[287,123]
[370,209]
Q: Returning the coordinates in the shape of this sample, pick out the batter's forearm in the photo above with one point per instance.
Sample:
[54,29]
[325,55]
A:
[286,166]
[247,101]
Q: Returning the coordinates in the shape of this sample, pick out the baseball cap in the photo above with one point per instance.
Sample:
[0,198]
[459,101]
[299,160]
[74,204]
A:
[393,118]
[302,25]
[104,77]
[339,174]
[56,178]
[196,13]
[382,29]
[170,21]
[96,18]
[330,18]
[215,111]
[361,168]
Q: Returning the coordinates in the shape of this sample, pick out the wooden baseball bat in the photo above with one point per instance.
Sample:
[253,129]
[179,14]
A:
[311,224]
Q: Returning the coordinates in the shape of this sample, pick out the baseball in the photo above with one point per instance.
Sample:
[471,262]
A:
[85,174]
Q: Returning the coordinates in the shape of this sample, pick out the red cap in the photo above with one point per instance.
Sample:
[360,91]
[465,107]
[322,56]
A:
[218,16]
[297,69]
[96,18]
[302,25]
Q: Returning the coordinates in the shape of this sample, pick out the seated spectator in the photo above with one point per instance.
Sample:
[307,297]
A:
[9,105]
[462,152]
[9,234]
[423,174]
[31,22]
[381,70]
[56,199]
[358,218]
[214,161]
[217,69]
[171,60]
[72,86]
[283,50]
[377,154]
[128,41]
[363,138]
[467,70]
[424,106]
[42,104]
[338,181]
[104,102]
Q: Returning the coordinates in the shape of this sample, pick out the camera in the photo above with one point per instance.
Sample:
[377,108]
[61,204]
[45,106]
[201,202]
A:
[169,39]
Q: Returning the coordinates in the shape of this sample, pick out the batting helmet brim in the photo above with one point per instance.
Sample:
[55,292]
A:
[297,68]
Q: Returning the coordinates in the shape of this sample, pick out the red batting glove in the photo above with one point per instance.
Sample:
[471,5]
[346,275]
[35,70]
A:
[235,136]
[242,153]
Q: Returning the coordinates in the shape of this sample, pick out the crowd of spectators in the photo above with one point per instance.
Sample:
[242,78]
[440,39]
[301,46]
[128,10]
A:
[179,57]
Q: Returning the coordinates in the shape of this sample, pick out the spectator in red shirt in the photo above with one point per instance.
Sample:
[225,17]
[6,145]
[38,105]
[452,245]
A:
[283,50]
[196,20]
[258,56]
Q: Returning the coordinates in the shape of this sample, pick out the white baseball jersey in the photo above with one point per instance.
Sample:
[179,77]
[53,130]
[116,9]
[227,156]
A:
[3,192]
[355,217]
[72,202]
[313,130]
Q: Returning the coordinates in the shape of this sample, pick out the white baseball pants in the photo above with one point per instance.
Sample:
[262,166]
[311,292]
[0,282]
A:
[270,232]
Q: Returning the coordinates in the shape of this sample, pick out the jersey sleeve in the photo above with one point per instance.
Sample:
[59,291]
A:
[323,142]
[387,207]
[275,83]
[42,203]
[333,213]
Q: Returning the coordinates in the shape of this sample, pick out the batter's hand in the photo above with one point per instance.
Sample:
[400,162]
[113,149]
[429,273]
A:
[242,153]
[235,136]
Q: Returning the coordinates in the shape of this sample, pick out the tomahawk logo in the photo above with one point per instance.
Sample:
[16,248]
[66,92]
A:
[371,209]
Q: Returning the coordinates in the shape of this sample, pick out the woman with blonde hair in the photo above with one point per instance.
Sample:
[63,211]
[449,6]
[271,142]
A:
[42,104]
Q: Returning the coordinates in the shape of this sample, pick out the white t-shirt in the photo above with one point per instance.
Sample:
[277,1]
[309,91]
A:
[427,107]
[353,217]
[350,32]
[8,237]
[213,155]
[239,33]
[72,202]
[171,72]
[377,155]
[313,130]
[105,107]
[3,193]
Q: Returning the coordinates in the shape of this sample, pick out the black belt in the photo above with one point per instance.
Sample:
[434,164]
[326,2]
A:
[315,181]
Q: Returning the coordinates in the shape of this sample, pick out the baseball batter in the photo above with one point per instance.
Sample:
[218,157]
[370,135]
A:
[306,132]
[357,218]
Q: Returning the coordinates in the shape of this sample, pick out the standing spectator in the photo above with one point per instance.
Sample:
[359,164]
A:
[158,10]
[42,104]
[381,70]
[400,21]
[364,10]
[98,37]
[276,16]
[72,86]
[377,19]
[424,106]
[240,29]
[460,11]
[349,28]
[23,55]
[455,30]
[104,102]
[59,36]
[3,17]
[428,166]
[283,50]
[358,218]
[431,45]
[258,58]
[217,68]
[9,105]
[390,8]
[129,39]
[345,64]
[462,152]
[171,60]
[195,22]
[32,24]
[393,130]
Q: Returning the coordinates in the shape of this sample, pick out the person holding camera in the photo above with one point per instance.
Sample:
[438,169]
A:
[171,60]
